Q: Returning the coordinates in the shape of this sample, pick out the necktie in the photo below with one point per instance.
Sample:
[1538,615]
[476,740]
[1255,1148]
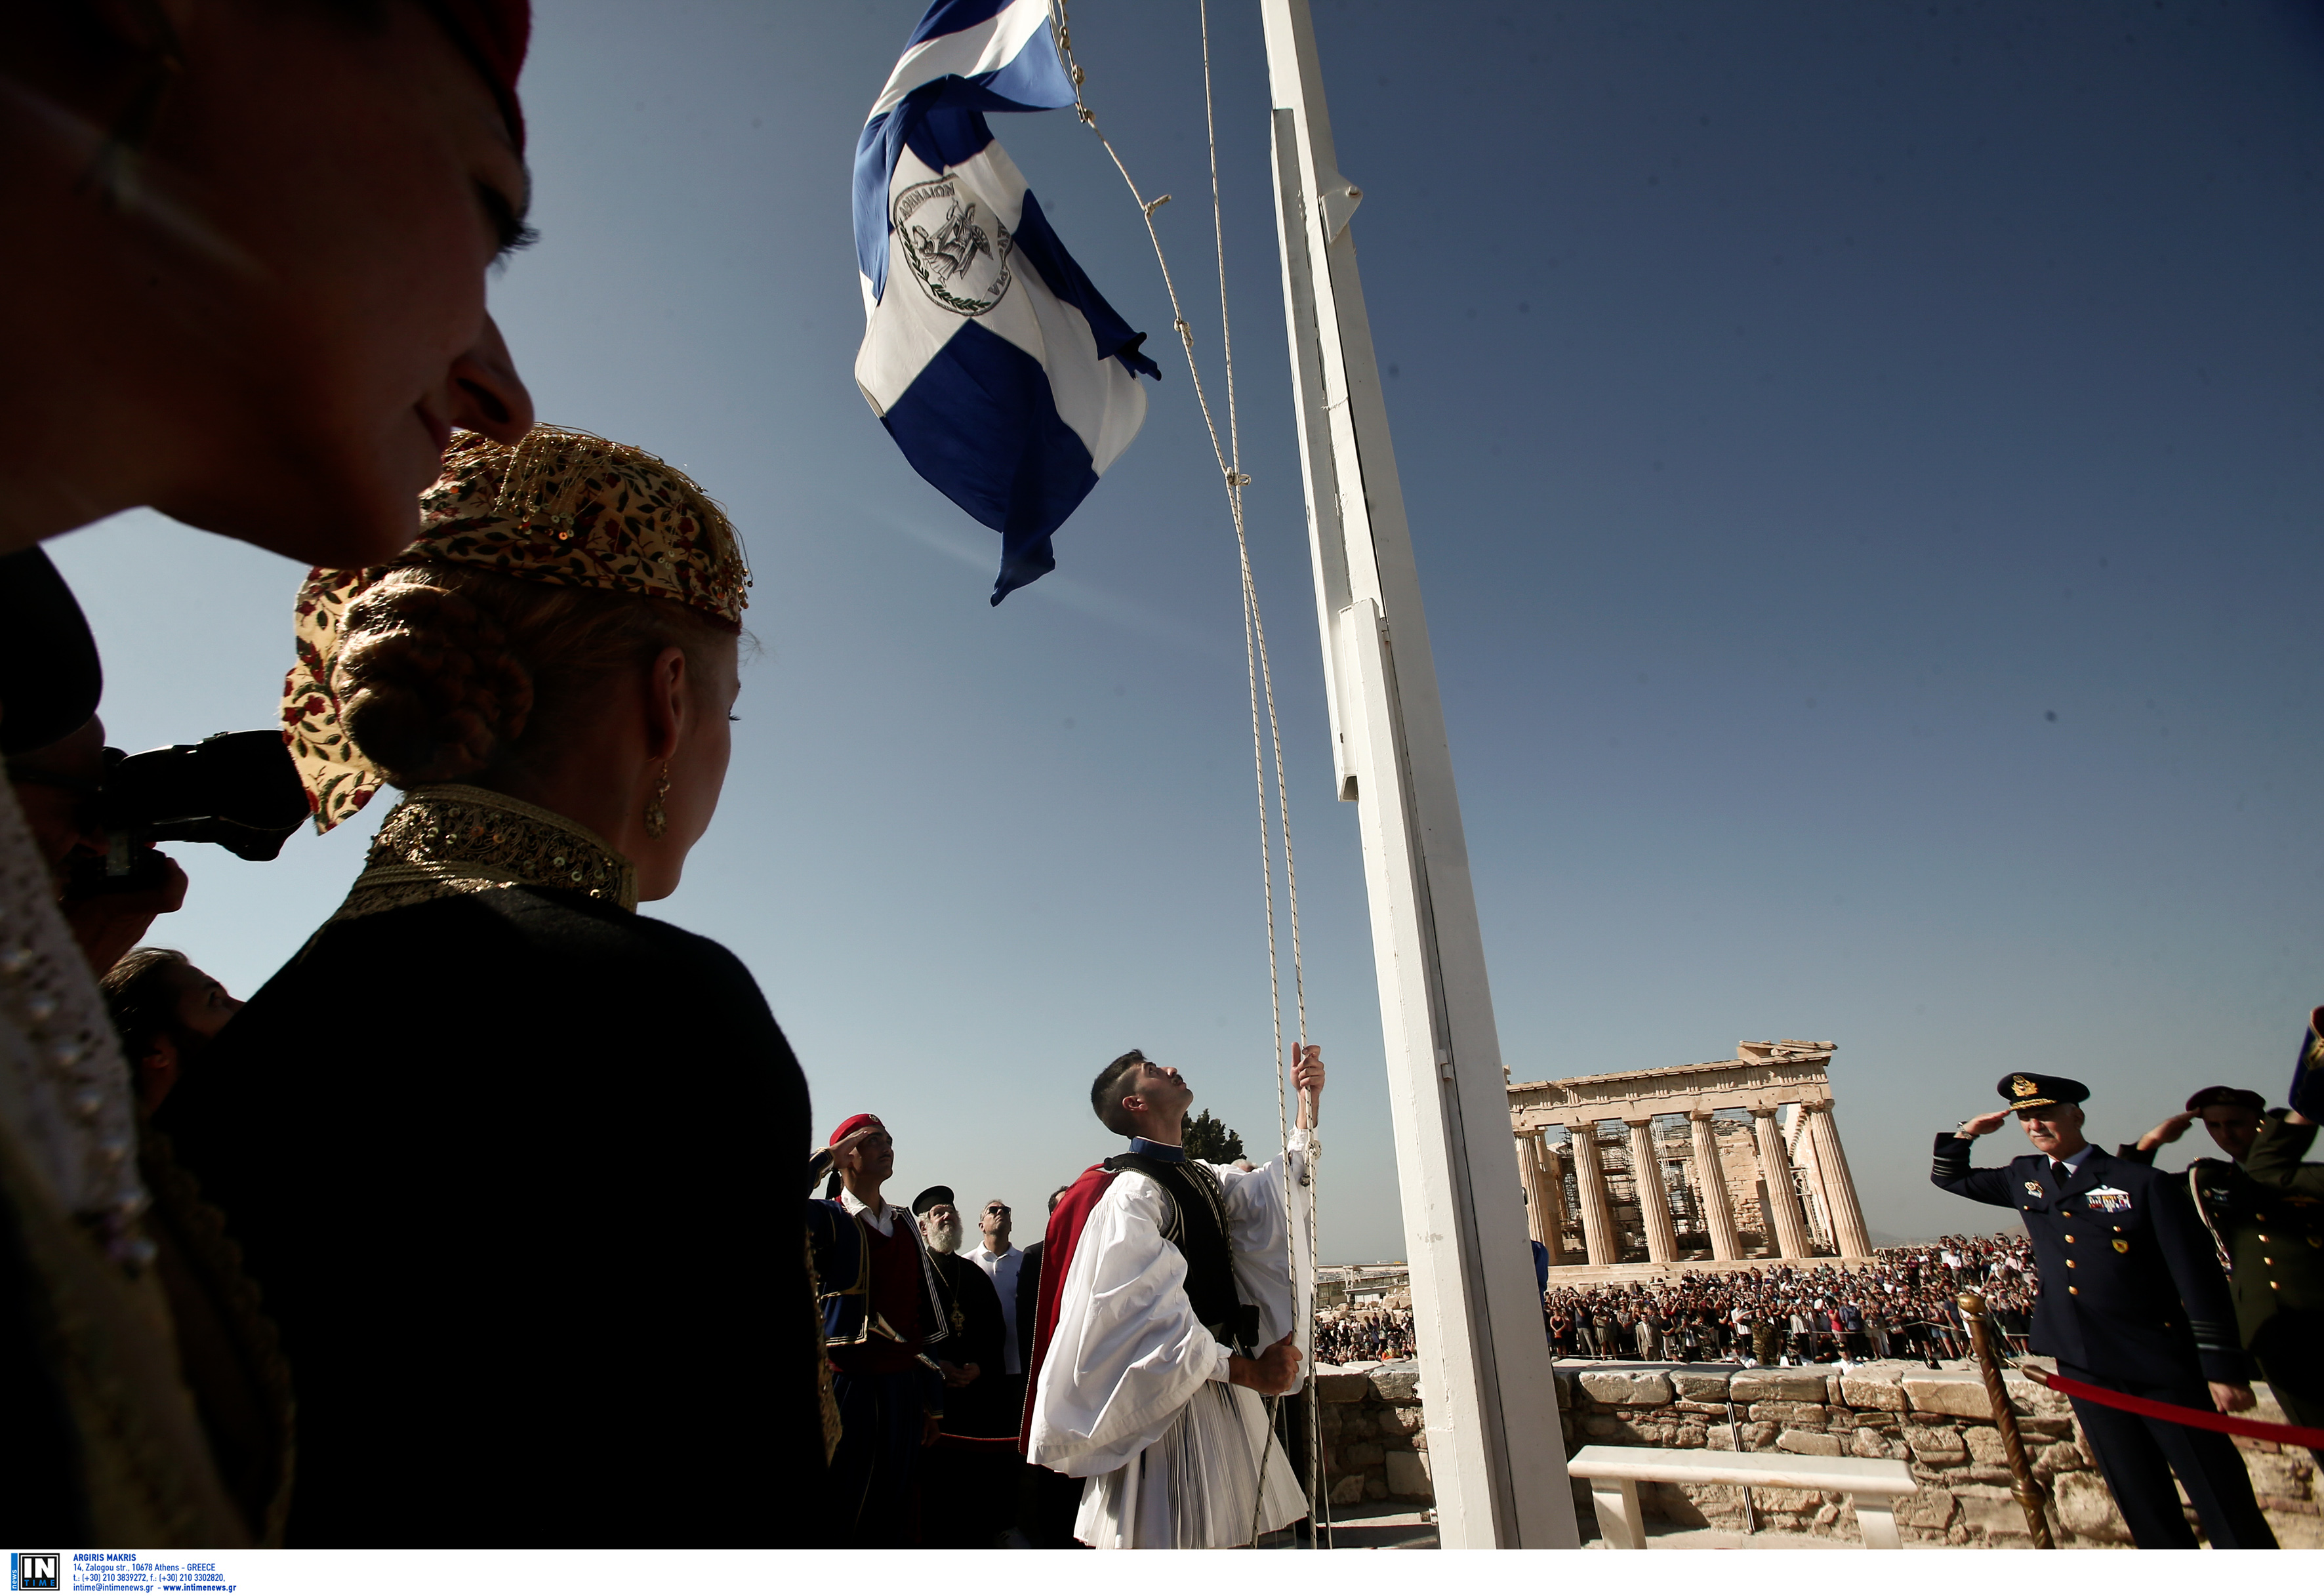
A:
[2060,1173]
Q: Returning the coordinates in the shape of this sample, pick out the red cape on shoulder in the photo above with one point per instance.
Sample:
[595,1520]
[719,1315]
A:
[1058,1240]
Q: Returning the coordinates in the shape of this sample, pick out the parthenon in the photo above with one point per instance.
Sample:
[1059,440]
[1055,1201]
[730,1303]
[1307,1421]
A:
[1707,1165]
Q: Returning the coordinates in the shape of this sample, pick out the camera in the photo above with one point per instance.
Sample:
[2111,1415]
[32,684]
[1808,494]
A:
[237,789]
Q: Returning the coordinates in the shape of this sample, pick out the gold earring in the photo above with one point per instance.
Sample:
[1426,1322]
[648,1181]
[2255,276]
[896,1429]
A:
[657,817]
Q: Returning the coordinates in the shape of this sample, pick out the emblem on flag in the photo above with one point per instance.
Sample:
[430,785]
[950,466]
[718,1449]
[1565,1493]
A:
[946,259]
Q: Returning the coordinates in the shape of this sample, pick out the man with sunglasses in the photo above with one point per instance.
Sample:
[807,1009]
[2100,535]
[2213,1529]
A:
[1003,1264]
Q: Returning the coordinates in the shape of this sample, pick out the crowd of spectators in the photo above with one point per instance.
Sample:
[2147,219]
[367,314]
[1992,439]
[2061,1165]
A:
[1902,1305]
[1363,1335]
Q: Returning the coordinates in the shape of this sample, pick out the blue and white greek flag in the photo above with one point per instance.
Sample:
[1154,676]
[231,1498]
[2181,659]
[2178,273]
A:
[994,364]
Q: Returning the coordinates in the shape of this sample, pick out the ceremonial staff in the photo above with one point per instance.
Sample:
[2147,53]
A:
[2027,1489]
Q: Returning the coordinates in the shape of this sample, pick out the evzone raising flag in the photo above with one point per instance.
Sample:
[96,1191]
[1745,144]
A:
[1167,1310]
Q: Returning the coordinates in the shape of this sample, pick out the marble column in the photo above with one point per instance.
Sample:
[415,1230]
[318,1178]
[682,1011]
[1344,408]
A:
[1711,1180]
[1775,1176]
[1553,1199]
[1807,1179]
[1654,1200]
[1529,1177]
[1849,1234]
[1597,1216]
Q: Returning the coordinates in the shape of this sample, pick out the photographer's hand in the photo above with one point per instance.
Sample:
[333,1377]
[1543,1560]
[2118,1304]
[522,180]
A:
[108,925]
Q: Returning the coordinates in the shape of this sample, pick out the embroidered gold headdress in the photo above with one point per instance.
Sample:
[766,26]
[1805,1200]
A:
[562,507]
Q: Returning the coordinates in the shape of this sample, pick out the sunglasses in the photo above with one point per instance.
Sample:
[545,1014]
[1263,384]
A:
[999,1208]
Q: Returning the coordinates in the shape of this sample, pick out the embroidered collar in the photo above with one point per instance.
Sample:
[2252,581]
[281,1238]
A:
[450,839]
[1161,1151]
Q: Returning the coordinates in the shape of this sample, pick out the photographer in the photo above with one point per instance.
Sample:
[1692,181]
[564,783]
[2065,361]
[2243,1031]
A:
[58,788]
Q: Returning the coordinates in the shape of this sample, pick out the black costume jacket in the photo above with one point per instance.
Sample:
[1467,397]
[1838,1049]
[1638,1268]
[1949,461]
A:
[2131,1290]
[1198,1227]
[1028,1300]
[843,1273]
[496,1159]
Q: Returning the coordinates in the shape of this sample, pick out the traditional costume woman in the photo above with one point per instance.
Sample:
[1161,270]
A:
[248,261]
[501,1152]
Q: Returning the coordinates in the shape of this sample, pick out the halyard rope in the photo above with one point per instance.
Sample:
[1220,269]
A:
[1260,676]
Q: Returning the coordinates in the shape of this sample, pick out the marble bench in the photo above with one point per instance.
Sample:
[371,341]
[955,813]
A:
[1614,1473]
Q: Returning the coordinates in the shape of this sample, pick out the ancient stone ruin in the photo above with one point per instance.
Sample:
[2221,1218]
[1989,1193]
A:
[1719,1164]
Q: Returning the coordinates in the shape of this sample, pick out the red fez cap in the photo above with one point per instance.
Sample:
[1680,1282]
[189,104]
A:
[852,1124]
[493,35]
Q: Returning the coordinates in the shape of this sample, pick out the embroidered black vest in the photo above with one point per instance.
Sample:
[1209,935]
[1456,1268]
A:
[1198,1227]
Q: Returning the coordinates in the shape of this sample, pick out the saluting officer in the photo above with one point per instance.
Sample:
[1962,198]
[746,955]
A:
[2132,1300]
[2266,1213]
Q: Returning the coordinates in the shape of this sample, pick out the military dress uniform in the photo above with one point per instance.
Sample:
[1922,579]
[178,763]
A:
[2266,1219]
[2280,1267]
[2132,1300]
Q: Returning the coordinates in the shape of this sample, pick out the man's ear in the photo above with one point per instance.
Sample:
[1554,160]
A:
[157,1072]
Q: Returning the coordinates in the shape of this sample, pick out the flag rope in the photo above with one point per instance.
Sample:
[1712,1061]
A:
[1261,675]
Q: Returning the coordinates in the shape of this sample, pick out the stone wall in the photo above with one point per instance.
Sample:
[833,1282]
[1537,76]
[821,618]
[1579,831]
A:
[1938,1421]
[1374,1447]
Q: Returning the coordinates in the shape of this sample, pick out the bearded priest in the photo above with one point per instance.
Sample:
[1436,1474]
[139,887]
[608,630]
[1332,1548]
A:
[1167,1311]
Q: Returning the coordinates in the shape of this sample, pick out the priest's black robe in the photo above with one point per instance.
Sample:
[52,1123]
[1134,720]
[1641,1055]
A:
[980,1337]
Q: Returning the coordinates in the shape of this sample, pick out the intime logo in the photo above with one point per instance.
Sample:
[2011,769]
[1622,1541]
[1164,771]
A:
[33,1571]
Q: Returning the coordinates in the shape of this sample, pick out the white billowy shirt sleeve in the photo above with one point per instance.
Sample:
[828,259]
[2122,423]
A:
[1263,1250]
[1128,1353]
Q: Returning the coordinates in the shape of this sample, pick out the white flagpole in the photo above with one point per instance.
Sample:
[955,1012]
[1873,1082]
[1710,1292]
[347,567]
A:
[1494,1450]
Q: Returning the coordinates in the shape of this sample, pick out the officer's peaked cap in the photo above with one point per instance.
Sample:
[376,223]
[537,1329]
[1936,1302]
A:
[2027,1090]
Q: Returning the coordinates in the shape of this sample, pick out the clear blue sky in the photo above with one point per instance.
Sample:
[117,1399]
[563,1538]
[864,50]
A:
[1863,464]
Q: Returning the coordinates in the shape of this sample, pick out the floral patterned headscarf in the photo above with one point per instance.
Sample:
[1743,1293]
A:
[562,507]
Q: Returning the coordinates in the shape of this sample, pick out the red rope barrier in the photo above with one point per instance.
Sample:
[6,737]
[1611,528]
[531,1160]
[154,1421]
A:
[948,1442]
[2193,1417]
